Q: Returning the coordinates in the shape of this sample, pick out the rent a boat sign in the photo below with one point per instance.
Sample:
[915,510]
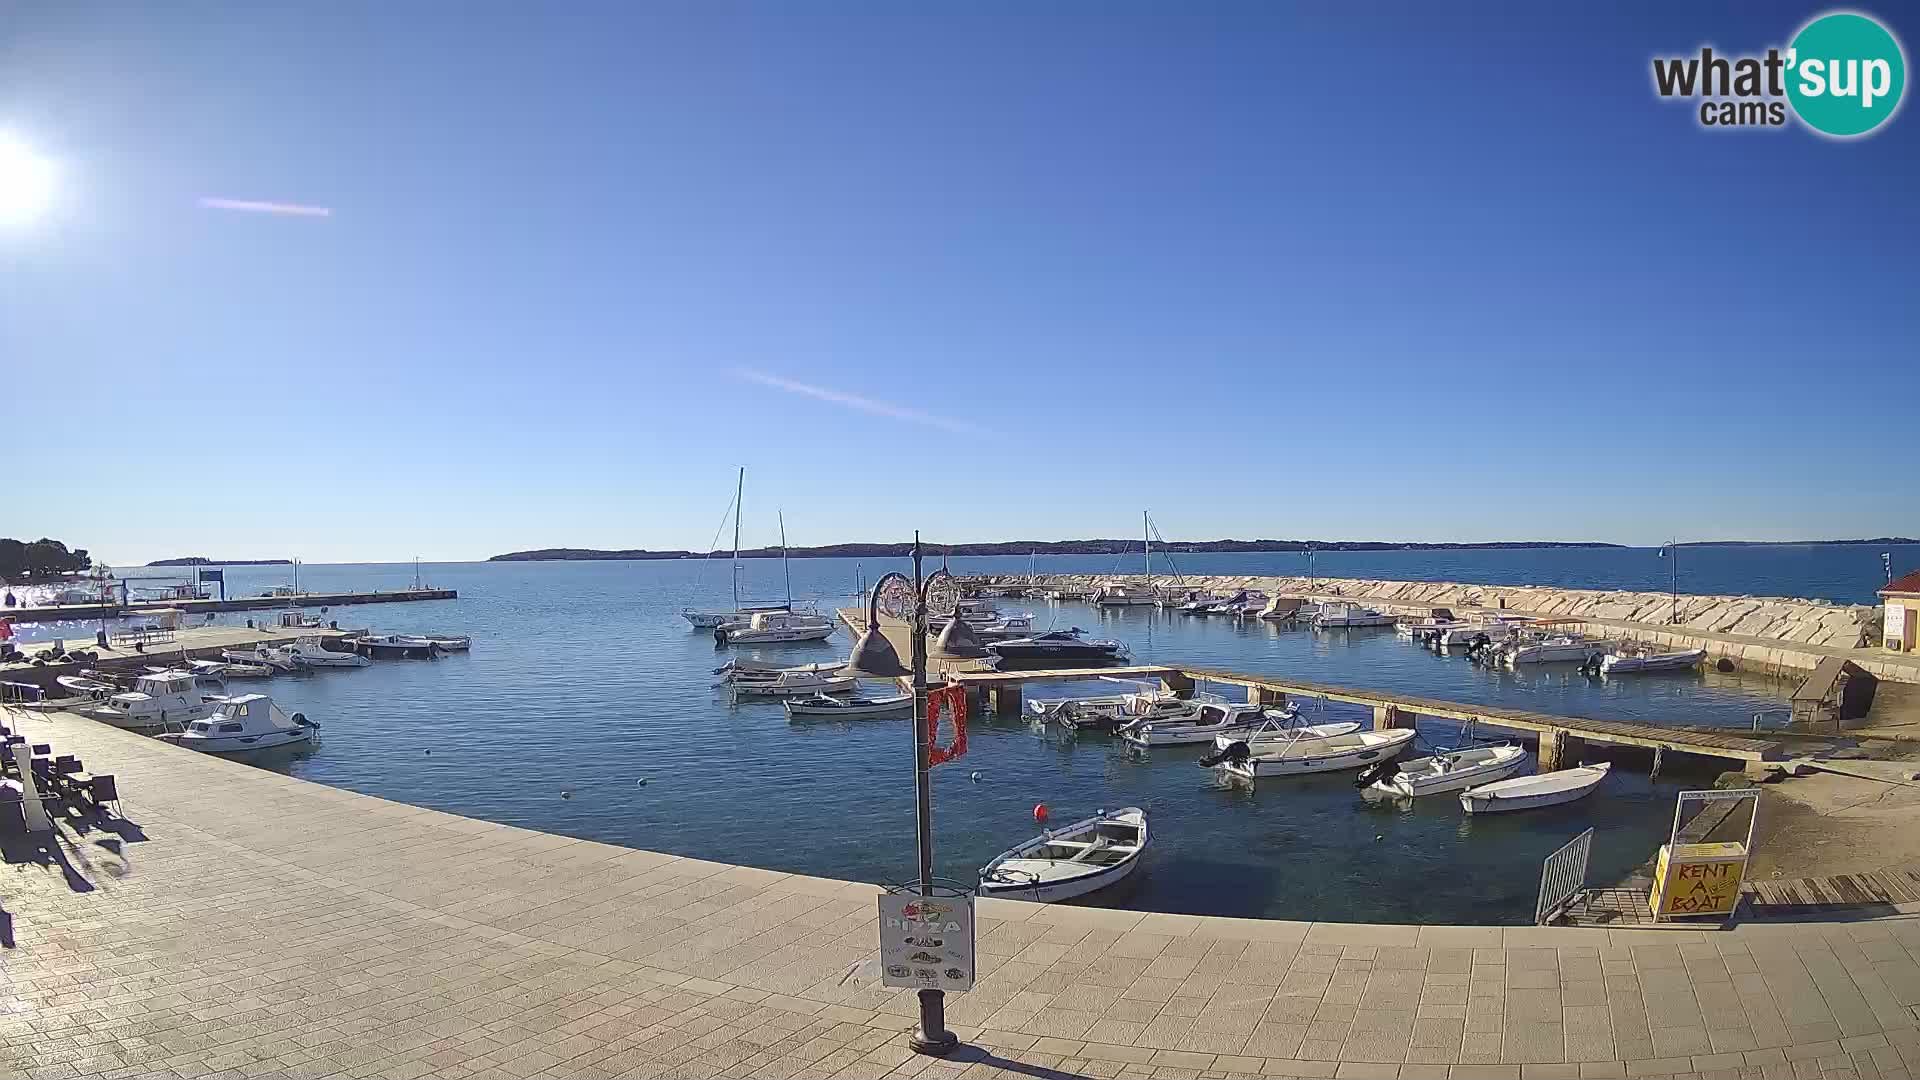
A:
[926,942]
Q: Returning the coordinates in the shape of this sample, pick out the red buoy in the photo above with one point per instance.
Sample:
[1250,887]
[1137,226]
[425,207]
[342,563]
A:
[1039,811]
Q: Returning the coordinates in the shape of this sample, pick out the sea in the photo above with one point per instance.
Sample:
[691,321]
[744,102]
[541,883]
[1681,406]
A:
[588,707]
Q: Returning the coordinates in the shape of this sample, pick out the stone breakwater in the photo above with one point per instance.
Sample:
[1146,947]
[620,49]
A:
[1786,620]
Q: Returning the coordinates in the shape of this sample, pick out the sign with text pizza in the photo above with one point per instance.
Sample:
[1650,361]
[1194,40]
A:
[926,942]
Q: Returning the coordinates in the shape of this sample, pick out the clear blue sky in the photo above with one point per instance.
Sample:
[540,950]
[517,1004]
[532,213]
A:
[1336,271]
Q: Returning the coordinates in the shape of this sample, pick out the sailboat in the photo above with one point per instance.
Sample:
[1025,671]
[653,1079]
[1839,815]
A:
[1121,594]
[739,613]
[777,626]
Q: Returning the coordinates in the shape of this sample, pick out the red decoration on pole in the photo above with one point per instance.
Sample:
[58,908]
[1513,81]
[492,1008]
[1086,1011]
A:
[951,699]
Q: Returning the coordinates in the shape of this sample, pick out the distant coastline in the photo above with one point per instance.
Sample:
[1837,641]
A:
[1891,541]
[1030,547]
[196,560]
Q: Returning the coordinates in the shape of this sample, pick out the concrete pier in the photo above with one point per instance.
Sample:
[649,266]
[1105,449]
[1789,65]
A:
[240,923]
[87,612]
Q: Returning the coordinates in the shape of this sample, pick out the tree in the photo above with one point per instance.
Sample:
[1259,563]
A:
[40,559]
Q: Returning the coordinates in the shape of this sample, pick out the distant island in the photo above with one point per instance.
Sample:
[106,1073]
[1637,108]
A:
[198,560]
[1887,540]
[1031,547]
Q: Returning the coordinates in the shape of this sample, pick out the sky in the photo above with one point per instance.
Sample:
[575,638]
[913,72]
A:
[357,281]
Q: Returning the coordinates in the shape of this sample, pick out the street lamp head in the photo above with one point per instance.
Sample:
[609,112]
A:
[958,642]
[873,657]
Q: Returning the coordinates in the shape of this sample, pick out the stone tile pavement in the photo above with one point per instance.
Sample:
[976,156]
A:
[244,924]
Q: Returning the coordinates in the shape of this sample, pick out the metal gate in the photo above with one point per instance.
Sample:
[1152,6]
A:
[1561,876]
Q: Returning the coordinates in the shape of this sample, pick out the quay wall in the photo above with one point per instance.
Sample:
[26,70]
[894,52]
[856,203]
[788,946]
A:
[1774,634]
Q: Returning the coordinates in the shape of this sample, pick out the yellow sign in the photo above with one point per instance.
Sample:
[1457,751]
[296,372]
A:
[1698,879]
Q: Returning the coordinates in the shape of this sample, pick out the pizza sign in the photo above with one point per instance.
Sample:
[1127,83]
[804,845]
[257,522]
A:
[926,942]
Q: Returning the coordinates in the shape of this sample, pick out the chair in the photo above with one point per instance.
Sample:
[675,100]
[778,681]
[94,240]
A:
[101,790]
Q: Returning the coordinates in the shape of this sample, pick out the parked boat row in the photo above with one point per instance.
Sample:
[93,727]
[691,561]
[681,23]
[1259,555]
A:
[1499,638]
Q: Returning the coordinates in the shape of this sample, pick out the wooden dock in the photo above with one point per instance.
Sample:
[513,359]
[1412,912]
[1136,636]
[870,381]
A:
[1561,737]
[88,612]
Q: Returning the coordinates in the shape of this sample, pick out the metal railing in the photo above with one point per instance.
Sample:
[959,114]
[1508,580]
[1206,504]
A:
[1563,874]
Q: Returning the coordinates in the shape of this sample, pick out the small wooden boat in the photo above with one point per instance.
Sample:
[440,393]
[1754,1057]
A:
[87,689]
[240,669]
[1451,771]
[1530,792]
[823,707]
[450,642]
[792,684]
[744,666]
[1060,864]
[1645,660]
[1318,755]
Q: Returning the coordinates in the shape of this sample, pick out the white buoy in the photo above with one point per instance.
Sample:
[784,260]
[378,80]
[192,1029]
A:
[974,776]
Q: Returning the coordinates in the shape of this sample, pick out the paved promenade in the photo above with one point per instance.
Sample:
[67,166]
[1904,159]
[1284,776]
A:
[242,924]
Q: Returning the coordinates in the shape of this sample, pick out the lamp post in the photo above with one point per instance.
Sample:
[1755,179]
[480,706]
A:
[874,657]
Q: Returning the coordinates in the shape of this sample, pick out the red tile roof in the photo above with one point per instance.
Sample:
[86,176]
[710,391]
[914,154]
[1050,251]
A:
[1905,583]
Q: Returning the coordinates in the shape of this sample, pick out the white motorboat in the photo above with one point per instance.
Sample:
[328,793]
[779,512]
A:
[157,700]
[1451,771]
[1340,752]
[791,684]
[1121,594]
[1197,723]
[1528,792]
[262,656]
[823,707]
[1061,864]
[1279,730]
[248,722]
[709,620]
[1420,629]
[313,652]
[1648,660]
[1335,616]
[1559,649]
[774,628]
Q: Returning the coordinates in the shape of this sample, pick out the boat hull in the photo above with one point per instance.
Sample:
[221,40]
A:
[807,711]
[1055,652]
[241,744]
[1663,662]
[1048,891]
[1484,802]
[1340,760]
[1413,784]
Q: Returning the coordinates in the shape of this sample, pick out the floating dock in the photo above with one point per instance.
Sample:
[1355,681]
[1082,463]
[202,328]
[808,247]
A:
[1562,738]
[86,612]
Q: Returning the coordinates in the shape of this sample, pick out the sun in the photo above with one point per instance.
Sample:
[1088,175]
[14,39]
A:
[26,182]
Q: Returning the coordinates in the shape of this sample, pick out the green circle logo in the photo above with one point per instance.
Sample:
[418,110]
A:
[1845,74]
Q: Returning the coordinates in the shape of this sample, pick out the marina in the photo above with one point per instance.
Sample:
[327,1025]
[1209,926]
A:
[637,666]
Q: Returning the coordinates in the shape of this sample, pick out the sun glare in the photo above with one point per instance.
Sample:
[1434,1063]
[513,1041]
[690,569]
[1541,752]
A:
[26,182]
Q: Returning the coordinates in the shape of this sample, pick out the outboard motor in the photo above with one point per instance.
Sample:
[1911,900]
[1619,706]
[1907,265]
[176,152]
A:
[1377,771]
[719,637]
[1236,752]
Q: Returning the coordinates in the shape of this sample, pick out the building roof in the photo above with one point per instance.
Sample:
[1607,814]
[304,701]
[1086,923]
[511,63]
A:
[1905,583]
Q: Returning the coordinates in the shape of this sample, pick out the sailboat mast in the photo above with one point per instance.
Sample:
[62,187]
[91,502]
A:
[739,489]
[784,570]
[1146,537]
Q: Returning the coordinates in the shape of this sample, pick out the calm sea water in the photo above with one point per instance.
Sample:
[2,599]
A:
[583,680]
